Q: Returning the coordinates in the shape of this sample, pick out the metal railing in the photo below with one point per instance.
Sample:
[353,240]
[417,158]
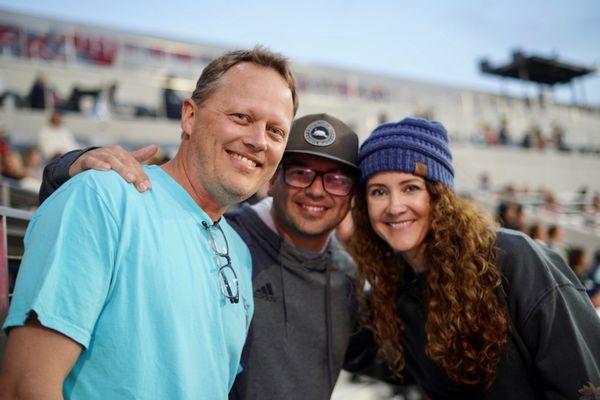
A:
[13,224]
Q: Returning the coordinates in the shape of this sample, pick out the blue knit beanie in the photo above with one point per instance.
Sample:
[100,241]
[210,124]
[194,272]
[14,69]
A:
[416,146]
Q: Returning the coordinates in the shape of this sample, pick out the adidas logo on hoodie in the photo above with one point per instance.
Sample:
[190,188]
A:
[265,292]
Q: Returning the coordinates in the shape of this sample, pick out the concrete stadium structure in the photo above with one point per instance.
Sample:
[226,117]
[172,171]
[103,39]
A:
[75,55]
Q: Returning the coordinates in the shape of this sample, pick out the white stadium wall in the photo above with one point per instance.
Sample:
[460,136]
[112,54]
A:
[560,172]
[141,63]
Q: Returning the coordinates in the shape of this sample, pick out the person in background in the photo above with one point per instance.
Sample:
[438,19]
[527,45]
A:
[534,138]
[55,138]
[588,274]
[490,135]
[171,100]
[557,138]
[158,158]
[595,267]
[7,164]
[593,285]
[581,198]
[12,167]
[504,138]
[33,163]
[551,203]
[470,311]
[537,233]
[37,94]
[126,295]
[511,215]
[593,211]
[33,169]
[577,259]
[554,239]
[484,186]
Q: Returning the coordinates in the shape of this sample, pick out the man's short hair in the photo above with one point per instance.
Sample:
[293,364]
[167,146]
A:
[209,79]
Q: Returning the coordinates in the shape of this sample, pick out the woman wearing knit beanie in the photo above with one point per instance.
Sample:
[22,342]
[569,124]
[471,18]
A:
[468,310]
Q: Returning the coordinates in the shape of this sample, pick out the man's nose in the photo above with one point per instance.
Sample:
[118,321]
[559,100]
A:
[256,137]
[316,188]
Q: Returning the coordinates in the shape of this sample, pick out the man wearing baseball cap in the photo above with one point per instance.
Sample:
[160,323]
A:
[305,311]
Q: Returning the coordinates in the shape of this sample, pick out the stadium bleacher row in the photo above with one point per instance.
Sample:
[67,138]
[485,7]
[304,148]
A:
[363,99]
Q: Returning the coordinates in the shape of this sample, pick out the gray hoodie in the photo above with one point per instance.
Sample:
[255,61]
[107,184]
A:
[304,316]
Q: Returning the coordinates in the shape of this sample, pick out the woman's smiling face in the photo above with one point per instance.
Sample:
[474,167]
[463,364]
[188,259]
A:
[399,211]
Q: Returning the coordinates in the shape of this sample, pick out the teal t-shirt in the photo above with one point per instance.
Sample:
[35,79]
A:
[133,278]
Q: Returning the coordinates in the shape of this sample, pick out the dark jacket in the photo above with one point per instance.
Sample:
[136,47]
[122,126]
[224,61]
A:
[554,349]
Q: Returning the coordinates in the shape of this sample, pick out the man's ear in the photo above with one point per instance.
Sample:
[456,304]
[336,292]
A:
[189,112]
[272,182]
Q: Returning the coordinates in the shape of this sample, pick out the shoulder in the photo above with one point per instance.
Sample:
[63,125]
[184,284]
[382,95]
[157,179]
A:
[520,256]
[511,242]
[236,242]
[88,192]
[508,239]
[105,183]
[239,216]
[531,272]
[81,208]
[242,220]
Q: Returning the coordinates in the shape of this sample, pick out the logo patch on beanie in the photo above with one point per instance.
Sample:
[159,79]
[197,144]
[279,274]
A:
[319,133]
[420,169]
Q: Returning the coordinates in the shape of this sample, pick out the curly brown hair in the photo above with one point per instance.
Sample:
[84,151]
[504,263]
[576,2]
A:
[467,323]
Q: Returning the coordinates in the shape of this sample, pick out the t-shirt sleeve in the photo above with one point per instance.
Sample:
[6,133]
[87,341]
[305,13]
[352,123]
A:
[67,268]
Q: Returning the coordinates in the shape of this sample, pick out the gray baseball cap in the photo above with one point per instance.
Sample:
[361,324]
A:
[324,136]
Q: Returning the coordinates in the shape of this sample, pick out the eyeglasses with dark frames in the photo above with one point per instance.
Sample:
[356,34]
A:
[228,280]
[334,183]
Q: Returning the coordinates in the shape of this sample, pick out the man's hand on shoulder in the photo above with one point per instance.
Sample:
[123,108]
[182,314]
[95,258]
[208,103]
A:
[126,164]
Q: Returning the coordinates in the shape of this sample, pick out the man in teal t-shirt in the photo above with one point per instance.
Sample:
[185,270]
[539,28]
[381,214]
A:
[148,296]
[127,275]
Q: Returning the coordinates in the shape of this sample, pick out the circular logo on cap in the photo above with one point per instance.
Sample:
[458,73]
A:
[319,133]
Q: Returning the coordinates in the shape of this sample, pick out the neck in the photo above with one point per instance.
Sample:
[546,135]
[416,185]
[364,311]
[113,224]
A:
[416,260]
[180,169]
[306,242]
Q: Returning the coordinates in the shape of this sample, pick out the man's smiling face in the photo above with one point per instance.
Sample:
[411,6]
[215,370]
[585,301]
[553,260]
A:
[238,135]
[310,213]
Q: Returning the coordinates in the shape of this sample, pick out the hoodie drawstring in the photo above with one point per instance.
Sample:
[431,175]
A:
[285,316]
[329,326]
